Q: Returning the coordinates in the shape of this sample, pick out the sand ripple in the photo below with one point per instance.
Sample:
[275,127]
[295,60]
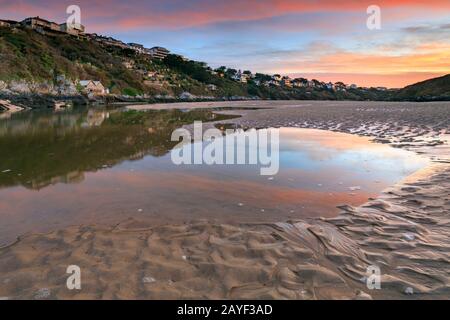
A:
[405,231]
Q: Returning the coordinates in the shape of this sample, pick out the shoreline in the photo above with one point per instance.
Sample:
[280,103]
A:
[403,230]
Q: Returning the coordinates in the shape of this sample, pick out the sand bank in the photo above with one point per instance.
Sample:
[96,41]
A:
[405,232]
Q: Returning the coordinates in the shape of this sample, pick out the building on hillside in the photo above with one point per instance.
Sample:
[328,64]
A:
[158,52]
[107,41]
[42,25]
[241,77]
[276,77]
[139,48]
[299,82]
[212,87]
[329,85]
[93,87]
[274,83]
[8,23]
[73,29]
[314,83]
[92,36]
[286,81]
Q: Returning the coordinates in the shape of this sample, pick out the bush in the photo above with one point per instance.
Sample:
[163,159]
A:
[130,92]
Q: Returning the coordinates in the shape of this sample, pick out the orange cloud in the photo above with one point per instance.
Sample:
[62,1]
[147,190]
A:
[375,69]
[372,80]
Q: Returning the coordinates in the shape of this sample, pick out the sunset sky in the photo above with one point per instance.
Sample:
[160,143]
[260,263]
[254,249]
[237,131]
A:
[323,39]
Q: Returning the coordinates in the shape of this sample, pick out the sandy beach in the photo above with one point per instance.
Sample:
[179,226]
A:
[405,230]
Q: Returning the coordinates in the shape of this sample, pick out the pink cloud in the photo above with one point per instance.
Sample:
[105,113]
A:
[180,14]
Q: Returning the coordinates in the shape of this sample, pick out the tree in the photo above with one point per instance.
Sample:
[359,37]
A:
[221,69]
[231,72]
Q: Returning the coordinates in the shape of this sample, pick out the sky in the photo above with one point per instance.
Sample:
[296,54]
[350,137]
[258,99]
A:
[323,39]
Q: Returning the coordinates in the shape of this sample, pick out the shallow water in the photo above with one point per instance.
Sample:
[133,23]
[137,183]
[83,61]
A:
[82,167]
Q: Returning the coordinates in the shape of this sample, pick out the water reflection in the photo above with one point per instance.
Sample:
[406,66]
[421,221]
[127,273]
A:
[38,149]
[103,166]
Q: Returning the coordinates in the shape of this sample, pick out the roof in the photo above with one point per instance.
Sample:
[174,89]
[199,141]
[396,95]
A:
[159,48]
[39,18]
[73,25]
[9,21]
[84,83]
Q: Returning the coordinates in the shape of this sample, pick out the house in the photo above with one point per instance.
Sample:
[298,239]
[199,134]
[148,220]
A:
[299,82]
[107,41]
[74,29]
[212,87]
[274,83]
[241,77]
[8,23]
[39,24]
[93,87]
[158,52]
[139,48]
[248,74]
[286,81]
[276,77]
[329,85]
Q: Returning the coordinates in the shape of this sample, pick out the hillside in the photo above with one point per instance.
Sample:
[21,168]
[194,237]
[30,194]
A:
[27,56]
[432,89]
[38,65]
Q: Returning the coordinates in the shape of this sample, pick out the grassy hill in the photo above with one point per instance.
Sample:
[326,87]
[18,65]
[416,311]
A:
[432,89]
[37,61]
[29,56]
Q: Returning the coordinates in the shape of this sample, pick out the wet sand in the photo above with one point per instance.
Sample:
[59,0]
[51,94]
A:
[405,231]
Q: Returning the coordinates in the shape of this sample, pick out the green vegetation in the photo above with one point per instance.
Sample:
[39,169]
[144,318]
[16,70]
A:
[432,89]
[30,56]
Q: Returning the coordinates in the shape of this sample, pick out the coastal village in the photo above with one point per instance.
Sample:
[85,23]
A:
[94,88]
